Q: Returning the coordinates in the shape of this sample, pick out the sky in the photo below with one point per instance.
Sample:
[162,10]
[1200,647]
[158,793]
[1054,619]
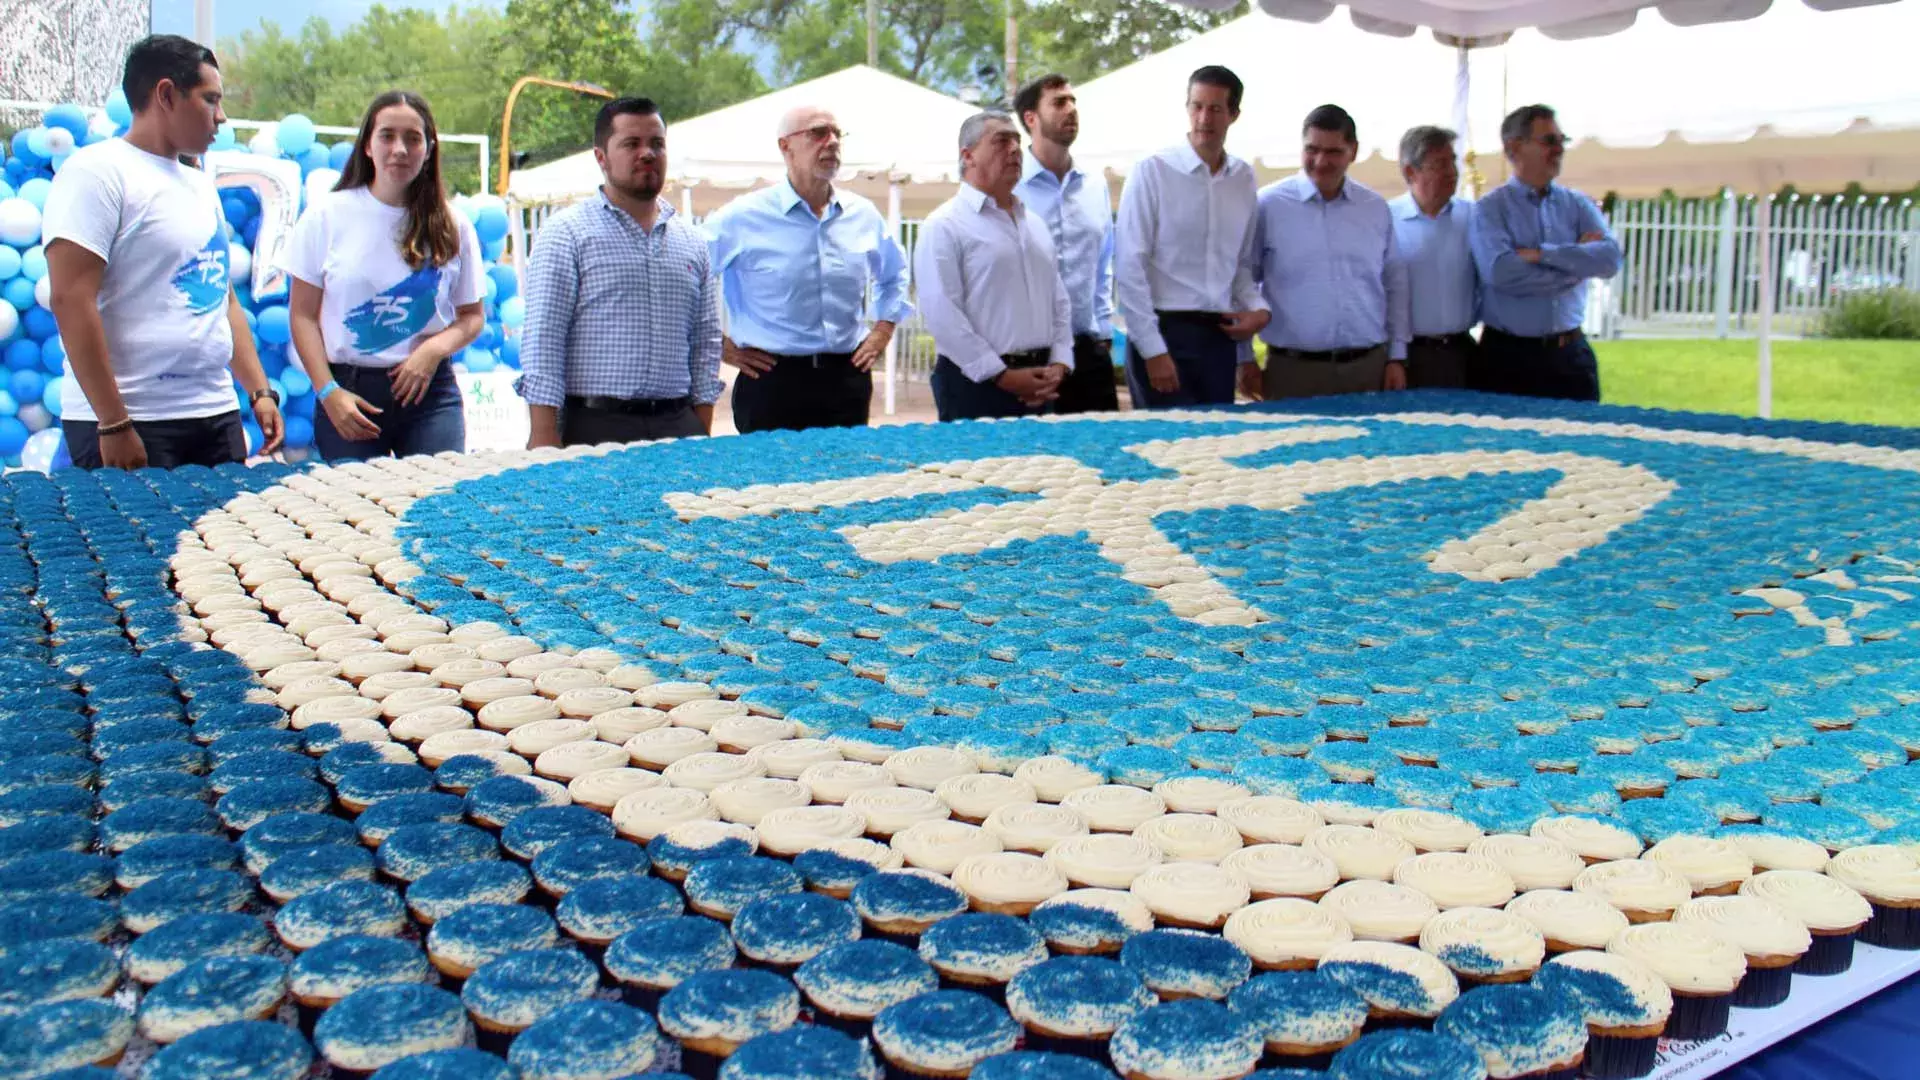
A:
[232,17]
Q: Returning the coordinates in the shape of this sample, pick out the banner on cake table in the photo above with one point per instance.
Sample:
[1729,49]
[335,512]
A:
[496,416]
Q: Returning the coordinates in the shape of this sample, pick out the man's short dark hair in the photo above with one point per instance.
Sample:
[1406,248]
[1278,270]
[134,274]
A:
[1519,122]
[1335,119]
[626,106]
[1225,79]
[1028,99]
[162,56]
[1420,141]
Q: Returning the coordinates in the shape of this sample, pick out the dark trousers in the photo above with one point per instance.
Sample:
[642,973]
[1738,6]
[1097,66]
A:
[433,425]
[1560,366]
[803,392]
[1206,359]
[582,424]
[957,397]
[1294,374]
[1441,363]
[1089,387]
[206,440]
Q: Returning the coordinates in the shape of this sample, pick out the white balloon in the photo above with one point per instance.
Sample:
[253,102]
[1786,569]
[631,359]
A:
[266,141]
[35,416]
[9,320]
[19,222]
[102,125]
[59,141]
[43,292]
[41,446]
[239,262]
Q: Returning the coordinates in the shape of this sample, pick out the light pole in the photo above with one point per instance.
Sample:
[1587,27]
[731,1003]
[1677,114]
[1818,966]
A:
[873,33]
[513,95]
[1013,49]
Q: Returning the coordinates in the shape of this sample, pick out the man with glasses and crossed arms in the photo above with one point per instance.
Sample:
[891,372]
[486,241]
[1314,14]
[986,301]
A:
[1536,245]
[796,261]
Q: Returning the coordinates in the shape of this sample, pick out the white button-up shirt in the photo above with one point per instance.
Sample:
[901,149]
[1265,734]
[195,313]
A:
[1184,242]
[988,285]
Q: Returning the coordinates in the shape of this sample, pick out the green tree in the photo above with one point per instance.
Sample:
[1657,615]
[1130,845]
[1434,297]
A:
[1085,39]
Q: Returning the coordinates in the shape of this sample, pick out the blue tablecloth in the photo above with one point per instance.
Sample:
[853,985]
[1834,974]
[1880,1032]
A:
[1876,1039]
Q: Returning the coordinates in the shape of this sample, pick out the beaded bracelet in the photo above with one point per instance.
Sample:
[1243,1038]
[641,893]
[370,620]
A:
[114,428]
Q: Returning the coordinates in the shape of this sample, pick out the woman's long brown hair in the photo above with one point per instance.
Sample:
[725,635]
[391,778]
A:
[431,235]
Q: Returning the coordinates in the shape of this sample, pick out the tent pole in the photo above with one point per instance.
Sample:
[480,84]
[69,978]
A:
[1763,236]
[1462,118]
[893,343]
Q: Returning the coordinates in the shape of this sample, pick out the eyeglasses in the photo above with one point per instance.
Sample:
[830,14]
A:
[819,132]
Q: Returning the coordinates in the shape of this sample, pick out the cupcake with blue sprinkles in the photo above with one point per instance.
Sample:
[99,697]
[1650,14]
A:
[675,852]
[1179,964]
[379,1025]
[719,888]
[980,951]
[1407,1055]
[714,1013]
[1040,1065]
[217,990]
[507,995]
[1302,1016]
[1625,1004]
[474,935]
[659,954]
[305,870]
[596,913]
[943,1034]
[247,1050]
[563,866]
[464,1063]
[1178,1040]
[63,1035]
[156,955]
[64,969]
[331,911]
[586,1040]
[377,822]
[282,833]
[848,985]
[1073,1004]
[323,975]
[800,1053]
[441,892]
[75,917]
[899,905]
[413,851]
[496,802]
[783,932]
[542,827]
[1520,1031]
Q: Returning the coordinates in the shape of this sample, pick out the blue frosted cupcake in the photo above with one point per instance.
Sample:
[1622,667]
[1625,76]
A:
[542,827]
[1179,964]
[413,851]
[1626,1006]
[719,888]
[945,1033]
[496,802]
[146,819]
[714,1013]
[365,785]
[1520,1030]
[299,872]
[1302,1016]
[143,862]
[326,973]
[507,995]
[1407,1055]
[783,932]
[206,993]
[282,833]
[800,1053]
[442,892]
[254,802]
[75,917]
[1179,1039]
[65,832]
[980,951]
[64,969]
[377,822]
[465,1063]
[596,913]
[167,949]
[64,1035]
[378,1025]
[849,984]
[1073,1004]
[900,905]
[675,852]
[1036,1065]
[248,1050]
[586,1040]
[477,934]
[568,864]
[347,907]
[659,954]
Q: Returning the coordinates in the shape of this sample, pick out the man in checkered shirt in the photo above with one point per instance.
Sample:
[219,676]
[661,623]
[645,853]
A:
[622,336]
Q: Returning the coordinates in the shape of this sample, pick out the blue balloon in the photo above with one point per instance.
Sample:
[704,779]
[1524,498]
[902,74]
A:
[254,439]
[8,406]
[37,142]
[238,211]
[18,292]
[33,263]
[489,337]
[224,138]
[72,117]
[118,110]
[299,432]
[480,360]
[513,312]
[273,327]
[510,353]
[53,355]
[492,252]
[27,385]
[9,259]
[39,323]
[295,134]
[13,436]
[490,224]
[50,396]
[337,155]
[294,381]
[316,157]
[23,149]
[23,355]
[6,190]
[506,280]
[35,191]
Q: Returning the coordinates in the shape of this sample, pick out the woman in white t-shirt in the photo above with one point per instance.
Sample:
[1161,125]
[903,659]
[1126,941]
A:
[386,284]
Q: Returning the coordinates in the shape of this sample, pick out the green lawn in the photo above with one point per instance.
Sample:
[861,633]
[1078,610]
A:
[1873,382]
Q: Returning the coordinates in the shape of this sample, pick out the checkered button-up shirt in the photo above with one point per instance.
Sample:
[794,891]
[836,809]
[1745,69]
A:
[615,310]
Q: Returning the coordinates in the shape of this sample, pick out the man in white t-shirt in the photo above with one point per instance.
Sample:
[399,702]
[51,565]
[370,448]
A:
[137,254]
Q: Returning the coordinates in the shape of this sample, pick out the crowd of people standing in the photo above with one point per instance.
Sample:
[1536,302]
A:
[631,310]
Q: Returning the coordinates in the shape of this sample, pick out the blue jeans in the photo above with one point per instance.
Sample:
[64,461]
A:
[437,423]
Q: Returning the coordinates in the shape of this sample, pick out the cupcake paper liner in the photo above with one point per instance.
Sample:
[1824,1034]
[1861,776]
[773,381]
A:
[1699,1017]
[1620,1057]
[1764,987]
[1893,928]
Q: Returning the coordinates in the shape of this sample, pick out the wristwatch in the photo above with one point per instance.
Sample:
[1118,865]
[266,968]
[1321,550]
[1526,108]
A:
[269,391]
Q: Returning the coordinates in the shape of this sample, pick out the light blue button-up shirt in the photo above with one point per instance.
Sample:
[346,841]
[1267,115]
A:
[1078,212]
[1550,296]
[796,284]
[1443,289]
[1329,269]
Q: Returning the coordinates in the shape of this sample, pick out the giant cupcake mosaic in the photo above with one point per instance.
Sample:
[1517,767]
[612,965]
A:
[1465,739]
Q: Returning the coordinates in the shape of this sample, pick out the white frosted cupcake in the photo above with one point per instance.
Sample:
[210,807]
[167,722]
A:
[1889,878]
[974,796]
[1104,860]
[1428,830]
[1643,891]
[1034,827]
[1570,921]
[1054,777]
[1701,969]
[1381,911]
[1832,913]
[1485,945]
[1008,882]
[890,810]
[1286,934]
[1532,862]
[1772,939]
[1198,794]
[1592,839]
[940,845]
[1190,837]
[1275,871]
[1270,819]
[1418,989]
[1190,895]
[1359,852]
[1115,807]
[1454,879]
[1713,867]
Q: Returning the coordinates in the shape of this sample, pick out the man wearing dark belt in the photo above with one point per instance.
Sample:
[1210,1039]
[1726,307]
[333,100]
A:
[1430,226]
[1183,249]
[990,289]
[1537,244]
[622,336]
[795,262]
[1078,212]
[1327,266]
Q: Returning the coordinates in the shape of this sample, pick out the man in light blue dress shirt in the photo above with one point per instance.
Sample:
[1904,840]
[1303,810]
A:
[1537,245]
[796,262]
[1324,248]
[1077,209]
[1430,226]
